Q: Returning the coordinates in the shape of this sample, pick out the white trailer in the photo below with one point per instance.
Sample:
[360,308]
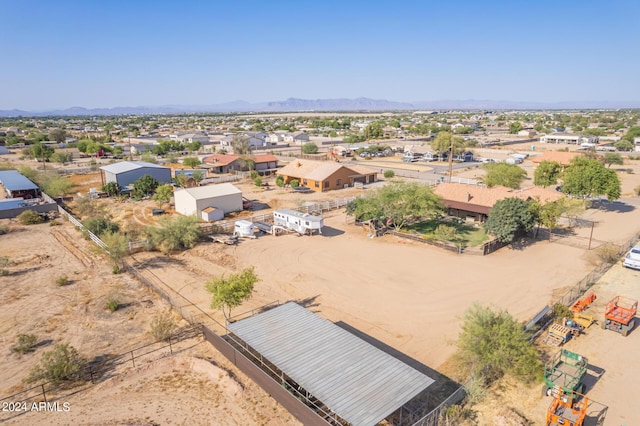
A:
[302,223]
[244,229]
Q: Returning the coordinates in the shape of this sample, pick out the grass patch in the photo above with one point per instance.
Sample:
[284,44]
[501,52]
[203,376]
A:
[468,235]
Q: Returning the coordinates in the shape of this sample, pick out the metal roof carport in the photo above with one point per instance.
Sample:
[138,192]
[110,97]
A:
[17,185]
[357,381]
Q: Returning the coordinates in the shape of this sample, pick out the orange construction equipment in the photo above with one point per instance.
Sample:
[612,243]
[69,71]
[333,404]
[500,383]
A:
[567,410]
[620,314]
[582,304]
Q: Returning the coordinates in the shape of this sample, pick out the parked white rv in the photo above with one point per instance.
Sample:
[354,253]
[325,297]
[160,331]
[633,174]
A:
[302,223]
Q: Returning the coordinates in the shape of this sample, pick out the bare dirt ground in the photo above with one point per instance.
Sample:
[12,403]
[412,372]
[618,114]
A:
[198,384]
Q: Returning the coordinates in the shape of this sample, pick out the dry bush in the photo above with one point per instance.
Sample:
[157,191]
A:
[29,217]
[26,343]
[162,325]
[608,253]
[61,364]
[4,229]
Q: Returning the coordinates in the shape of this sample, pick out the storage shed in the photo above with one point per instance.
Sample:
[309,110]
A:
[18,186]
[211,214]
[223,196]
[126,172]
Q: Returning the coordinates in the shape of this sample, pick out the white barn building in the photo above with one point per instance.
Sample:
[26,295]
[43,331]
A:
[569,138]
[222,197]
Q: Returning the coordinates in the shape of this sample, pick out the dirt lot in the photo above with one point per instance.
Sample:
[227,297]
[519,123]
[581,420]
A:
[202,384]
[405,294]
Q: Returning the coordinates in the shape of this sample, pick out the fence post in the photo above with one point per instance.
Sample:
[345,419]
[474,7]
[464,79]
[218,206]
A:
[44,395]
[170,347]
[133,360]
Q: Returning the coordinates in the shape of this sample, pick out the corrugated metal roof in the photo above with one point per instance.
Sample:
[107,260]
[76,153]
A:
[210,191]
[127,166]
[356,380]
[14,181]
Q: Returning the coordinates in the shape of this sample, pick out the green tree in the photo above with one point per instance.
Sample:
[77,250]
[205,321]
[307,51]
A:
[28,172]
[240,145]
[398,202]
[194,146]
[192,162]
[163,193]
[198,176]
[515,127]
[111,188]
[548,214]
[631,134]
[612,158]
[100,225]
[509,217]
[144,186]
[310,148]
[229,292]
[587,178]
[40,151]
[61,364]
[446,233]
[492,344]
[509,175]
[442,143]
[148,157]
[294,183]
[58,135]
[280,181]
[181,180]
[116,247]
[623,145]
[373,131]
[547,173]
[173,234]
[61,157]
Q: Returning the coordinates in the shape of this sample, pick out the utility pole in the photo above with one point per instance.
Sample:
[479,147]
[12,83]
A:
[451,159]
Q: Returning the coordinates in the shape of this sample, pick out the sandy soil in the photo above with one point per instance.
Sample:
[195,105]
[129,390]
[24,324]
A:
[159,390]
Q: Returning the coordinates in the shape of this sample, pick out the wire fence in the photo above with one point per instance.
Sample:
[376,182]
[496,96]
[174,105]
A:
[96,371]
[434,417]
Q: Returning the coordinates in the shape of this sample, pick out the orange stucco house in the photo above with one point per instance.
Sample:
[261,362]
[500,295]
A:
[322,176]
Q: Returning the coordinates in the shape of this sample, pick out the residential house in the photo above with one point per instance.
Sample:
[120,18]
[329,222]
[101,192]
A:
[569,138]
[192,137]
[561,157]
[298,138]
[325,176]
[474,201]
[229,163]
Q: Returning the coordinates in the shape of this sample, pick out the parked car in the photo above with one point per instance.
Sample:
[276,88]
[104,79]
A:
[632,259]
[488,160]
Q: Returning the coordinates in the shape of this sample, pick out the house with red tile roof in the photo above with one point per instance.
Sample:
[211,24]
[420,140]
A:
[562,157]
[475,201]
[228,163]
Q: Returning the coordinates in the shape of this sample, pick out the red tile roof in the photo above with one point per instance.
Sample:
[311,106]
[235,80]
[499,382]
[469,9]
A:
[220,159]
[564,158]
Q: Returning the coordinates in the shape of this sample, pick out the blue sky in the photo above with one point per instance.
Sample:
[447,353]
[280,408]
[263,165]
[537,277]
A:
[92,53]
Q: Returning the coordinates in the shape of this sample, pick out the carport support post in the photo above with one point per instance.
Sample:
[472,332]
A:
[591,234]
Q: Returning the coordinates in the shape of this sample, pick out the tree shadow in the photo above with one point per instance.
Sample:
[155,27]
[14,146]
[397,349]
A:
[25,270]
[43,343]
[309,303]
[611,206]
[158,262]
[258,205]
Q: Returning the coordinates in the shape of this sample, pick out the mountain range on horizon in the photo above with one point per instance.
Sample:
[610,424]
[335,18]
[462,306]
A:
[326,105]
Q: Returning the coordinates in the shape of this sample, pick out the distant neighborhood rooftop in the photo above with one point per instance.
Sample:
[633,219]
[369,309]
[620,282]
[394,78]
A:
[127,166]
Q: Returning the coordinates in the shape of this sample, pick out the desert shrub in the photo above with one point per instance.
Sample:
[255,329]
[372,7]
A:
[62,281]
[629,171]
[253,174]
[608,252]
[100,225]
[112,304]
[257,181]
[26,343]
[29,217]
[389,174]
[454,415]
[636,190]
[4,229]
[561,311]
[54,223]
[476,390]
[294,183]
[280,181]
[445,233]
[179,233]
[492,344]
[162,325]
[61,364]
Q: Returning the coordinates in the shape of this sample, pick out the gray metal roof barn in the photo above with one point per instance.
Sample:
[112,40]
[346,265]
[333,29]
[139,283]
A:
[357,381]
[17,185]
[126,172]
